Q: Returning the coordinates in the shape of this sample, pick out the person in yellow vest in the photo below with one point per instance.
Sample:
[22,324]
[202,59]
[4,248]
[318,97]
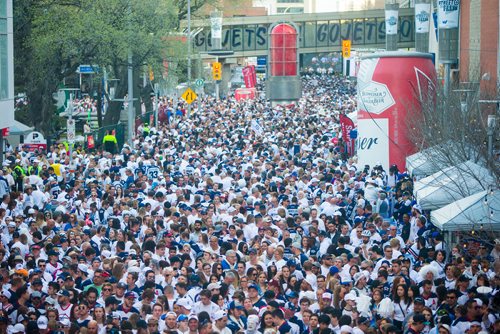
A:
[18,173]
[145,130]
[110,143]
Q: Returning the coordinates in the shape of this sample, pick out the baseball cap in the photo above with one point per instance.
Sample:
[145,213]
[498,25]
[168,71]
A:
[184,303]
[42,322]
[63,293]
[253,286]
[418,318]
[130,294]
[233,305]
[182,317]
[419,300]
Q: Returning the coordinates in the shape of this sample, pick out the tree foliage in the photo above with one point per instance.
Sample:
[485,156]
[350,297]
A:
[452,129]
[53,37]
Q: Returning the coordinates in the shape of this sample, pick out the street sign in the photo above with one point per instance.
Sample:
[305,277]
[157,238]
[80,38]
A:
[346,48]
[70,126]
[217,71]
[199,83]
[87,69]
[189,96]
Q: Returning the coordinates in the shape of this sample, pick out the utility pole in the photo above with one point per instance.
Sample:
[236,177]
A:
[189,51]
[130,74]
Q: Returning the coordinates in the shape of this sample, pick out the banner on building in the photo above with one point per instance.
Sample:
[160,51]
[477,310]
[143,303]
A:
[448,14]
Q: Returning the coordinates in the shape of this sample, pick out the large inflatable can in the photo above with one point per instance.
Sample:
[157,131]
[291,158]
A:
[390,88]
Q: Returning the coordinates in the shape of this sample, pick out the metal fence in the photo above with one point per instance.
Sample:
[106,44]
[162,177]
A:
[147,117]
[98,135]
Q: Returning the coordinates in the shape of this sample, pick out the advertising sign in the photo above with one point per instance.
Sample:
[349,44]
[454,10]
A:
[448,14]
[249,76]
[35,141]
[390,86]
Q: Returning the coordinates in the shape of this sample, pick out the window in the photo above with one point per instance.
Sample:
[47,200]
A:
[290,10]
[4,67]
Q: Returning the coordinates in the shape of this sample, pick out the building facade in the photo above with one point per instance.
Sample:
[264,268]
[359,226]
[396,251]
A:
[479,45]
[6,65]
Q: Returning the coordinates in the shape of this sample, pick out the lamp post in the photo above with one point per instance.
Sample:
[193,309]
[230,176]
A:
[216,28]
[189,51]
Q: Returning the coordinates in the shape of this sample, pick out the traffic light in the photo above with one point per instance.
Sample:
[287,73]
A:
[217,71]
[346,48]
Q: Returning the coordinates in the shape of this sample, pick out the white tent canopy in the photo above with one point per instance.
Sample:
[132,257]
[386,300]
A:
[433,159]
[422,164]
[19,128]
[451,184]
[482,208]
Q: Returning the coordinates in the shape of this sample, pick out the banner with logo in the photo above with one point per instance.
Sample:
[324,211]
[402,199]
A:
[249,76]
[422,17]
[257,128]
[90,142]
[216,25]
[347,125]
[391,22]
[448,14]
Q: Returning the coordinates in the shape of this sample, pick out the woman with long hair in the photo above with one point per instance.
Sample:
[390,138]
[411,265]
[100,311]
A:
[267,322]
[99,315]
[439,263]
[402,305]
[429,320]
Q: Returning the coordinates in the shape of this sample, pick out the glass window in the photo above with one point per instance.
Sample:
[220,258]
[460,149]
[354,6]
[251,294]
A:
[3,26]
[290,10]
[4,79]
[3,8]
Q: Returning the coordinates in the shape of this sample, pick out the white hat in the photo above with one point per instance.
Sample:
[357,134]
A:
[83,268]
[185,303]
[31,211]
[18,328]
[42,322]
[326,295]
[349,296]
[212,286]
[65,322]
[219,315]
[358,276]
[346,329]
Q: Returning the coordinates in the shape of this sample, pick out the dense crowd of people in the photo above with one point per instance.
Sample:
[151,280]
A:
[242,218]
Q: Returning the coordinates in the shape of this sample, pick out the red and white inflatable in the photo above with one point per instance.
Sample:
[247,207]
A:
[390,86]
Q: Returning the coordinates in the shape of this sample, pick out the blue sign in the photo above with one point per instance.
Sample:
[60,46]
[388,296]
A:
[353,134]
[87,69]
[262,60]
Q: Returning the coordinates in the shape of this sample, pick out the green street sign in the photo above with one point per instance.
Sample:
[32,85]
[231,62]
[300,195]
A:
[199,83]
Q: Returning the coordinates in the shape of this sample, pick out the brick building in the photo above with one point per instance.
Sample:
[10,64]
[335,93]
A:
[479,44]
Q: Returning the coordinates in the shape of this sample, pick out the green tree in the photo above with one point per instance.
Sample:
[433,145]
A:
[53,37]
